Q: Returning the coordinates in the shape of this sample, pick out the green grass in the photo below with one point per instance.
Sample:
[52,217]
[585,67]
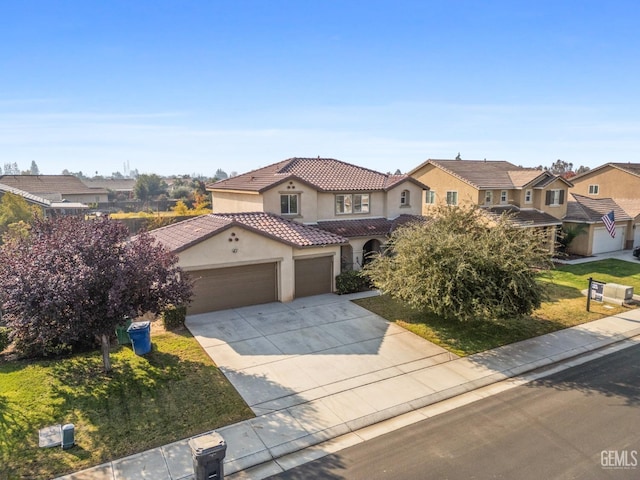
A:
[172,393]
[565,307]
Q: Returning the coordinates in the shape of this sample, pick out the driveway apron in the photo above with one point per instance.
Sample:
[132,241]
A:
[281,355]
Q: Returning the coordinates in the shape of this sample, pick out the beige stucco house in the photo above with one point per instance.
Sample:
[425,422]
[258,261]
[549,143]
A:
[535,198]
[251,258]
[357,203]
[56,188]
[612,186]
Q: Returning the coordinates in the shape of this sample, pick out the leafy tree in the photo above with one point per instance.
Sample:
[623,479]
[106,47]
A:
[34,170]
[582,169]
[70,282]
[14,209]
[11,169]
[464,264]
[560,167]
[148,187]
[221,174]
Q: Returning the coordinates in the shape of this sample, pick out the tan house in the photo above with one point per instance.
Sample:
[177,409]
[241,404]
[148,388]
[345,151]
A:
[612,182]
[535,198]
[47,207]
[584,216]
[56,188]
[251,258]
[357,203]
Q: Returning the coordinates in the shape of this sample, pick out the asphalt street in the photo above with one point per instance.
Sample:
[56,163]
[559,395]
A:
[582,423]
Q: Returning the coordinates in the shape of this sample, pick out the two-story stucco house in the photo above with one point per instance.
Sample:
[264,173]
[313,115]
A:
[286,230]
[355,202]
[609,187]
[535,198]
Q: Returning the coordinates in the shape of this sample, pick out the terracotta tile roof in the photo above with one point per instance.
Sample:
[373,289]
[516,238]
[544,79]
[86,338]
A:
[492,174]
[591,210]
[526,217]
[182,235]
[324,174]
[48,184]
[370,227]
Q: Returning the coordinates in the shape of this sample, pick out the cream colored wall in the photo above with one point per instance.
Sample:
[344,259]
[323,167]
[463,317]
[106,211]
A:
[416,198]
[357,244]
[86,198]
[252,248]
[514,197]
[327,206]
[440,182]
[307,196]
[231,202]
[612,183]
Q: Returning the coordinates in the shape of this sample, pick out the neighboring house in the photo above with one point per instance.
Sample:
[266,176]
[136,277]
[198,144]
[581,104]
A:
[358,203]
[47,207]
[535,198]
[617,182]
[584,217]
[56,188]
[611,180]
[122,186]
[245,259]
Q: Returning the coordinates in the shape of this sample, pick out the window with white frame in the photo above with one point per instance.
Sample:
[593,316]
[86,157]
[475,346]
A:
[503,196]
[404,198]
[289,204]
[452,198]
[555,197]
[430,197]
[594,189]
[528,196]
[488,197]
[352,203]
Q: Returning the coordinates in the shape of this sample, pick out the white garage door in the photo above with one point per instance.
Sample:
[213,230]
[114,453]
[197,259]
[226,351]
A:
[602,241]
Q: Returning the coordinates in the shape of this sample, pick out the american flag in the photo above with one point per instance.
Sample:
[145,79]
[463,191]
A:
[610,223]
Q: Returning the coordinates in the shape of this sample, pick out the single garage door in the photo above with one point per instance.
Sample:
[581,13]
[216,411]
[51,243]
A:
[313,276]
[221,288]
[603,242]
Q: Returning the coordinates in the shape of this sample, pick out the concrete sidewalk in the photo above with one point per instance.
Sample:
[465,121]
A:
[268,441]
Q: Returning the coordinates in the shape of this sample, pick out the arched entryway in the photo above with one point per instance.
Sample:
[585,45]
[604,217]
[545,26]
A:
[372,246]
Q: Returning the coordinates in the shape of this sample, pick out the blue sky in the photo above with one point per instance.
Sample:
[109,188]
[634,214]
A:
[192,86]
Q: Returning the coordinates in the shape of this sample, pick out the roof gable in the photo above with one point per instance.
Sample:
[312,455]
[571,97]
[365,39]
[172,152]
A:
[630,168]
[323,174]
[591,210]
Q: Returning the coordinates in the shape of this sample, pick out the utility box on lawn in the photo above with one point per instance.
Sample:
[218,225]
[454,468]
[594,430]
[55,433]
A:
[208,452]
[618,292]
[140,335]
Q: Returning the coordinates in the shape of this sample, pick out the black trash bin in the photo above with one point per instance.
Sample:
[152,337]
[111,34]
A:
[208,452]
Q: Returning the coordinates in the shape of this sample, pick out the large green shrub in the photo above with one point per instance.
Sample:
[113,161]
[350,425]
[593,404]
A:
[173,317]
[352,281]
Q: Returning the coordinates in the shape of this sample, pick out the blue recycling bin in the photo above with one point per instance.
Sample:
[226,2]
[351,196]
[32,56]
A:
[140,335]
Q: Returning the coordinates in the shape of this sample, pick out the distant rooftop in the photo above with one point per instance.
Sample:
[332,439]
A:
[49,184]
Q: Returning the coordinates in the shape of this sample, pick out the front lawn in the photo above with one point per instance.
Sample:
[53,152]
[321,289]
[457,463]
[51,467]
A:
[565,307]
[172,393]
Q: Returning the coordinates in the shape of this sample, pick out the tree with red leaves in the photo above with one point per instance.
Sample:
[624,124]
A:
[71,281]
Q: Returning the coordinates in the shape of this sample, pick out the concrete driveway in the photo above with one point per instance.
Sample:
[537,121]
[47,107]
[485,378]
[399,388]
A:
[279,355]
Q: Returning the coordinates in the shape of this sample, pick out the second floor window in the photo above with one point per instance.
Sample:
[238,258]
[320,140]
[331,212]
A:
[528,196]
[594,189]
[452,198]
[404,198]
[555,197]
[289,204]
[430,197]
[352,203]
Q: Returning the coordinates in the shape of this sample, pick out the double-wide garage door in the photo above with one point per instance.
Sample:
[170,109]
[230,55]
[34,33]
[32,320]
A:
[221,288]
